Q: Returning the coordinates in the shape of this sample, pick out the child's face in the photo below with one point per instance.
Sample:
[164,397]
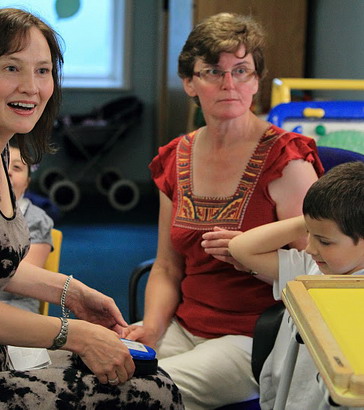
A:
[334,252]
[18,173]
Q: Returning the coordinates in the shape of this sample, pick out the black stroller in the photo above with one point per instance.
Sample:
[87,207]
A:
[90,138]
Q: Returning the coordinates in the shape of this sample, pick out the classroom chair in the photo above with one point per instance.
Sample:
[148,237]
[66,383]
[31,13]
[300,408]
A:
[331,156]
[52,263]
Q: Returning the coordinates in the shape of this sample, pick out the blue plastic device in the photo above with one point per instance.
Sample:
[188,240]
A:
[139,351]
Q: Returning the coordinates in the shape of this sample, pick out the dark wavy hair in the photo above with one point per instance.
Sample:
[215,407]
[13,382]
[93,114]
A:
[15,25]
[223,32]
[339,196]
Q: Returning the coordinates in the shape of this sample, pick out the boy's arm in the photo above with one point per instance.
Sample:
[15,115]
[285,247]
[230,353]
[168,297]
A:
[258,248]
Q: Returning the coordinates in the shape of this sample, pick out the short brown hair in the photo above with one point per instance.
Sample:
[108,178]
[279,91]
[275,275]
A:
[339,196]
[223,32]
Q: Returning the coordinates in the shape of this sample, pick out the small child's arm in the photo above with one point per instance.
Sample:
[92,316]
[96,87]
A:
[257,248]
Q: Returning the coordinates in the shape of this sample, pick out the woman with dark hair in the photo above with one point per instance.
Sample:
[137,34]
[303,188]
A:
[14,30]
[30,63]
[233,174]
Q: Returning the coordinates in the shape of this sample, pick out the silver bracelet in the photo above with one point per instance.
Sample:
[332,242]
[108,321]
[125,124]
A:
[65,311]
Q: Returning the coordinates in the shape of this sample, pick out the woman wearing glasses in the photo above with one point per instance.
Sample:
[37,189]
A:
[231,175]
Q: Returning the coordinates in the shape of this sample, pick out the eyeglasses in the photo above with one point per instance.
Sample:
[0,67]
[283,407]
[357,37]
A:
[215,75]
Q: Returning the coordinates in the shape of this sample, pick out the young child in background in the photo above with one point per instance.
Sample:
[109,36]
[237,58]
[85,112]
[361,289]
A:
[333,215]
[39,223]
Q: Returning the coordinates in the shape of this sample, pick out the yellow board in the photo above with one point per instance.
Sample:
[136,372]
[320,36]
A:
[343,311]
[328,313]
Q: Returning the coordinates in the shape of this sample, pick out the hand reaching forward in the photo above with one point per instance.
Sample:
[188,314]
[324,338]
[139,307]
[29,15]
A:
[141,334]
[95,307]
[216,244]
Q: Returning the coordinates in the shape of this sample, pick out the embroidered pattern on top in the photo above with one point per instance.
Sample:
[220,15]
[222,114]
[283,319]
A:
[203,213]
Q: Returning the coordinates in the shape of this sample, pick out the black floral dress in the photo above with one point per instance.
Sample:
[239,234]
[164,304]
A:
[66,384]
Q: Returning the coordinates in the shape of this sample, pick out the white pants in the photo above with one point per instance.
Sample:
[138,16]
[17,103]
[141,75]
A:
[209,372]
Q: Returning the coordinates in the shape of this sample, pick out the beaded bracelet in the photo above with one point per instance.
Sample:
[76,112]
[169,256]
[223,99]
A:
[65,311]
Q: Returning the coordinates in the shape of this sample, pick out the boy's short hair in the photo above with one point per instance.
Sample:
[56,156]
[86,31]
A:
[339,196]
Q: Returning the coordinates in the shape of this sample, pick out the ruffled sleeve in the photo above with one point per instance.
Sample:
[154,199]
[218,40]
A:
[40,225]
[163,168]
[291,146]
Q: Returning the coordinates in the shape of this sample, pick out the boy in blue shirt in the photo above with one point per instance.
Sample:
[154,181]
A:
[333,216]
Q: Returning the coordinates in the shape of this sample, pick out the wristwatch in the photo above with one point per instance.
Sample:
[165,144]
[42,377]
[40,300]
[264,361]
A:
[61,338]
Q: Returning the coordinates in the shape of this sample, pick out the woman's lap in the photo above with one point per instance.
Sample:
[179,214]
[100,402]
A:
[64,385]
[208,372]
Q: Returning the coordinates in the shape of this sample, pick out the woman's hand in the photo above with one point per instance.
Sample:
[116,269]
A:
[102,351]
[216,244]
[141,334]
[90,305]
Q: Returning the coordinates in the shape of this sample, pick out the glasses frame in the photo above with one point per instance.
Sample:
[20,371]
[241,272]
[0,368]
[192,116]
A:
[222,73]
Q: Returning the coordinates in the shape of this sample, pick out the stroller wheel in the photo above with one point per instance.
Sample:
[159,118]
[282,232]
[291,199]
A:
[106,179]
[65,194]
[124,195]
[49,177]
